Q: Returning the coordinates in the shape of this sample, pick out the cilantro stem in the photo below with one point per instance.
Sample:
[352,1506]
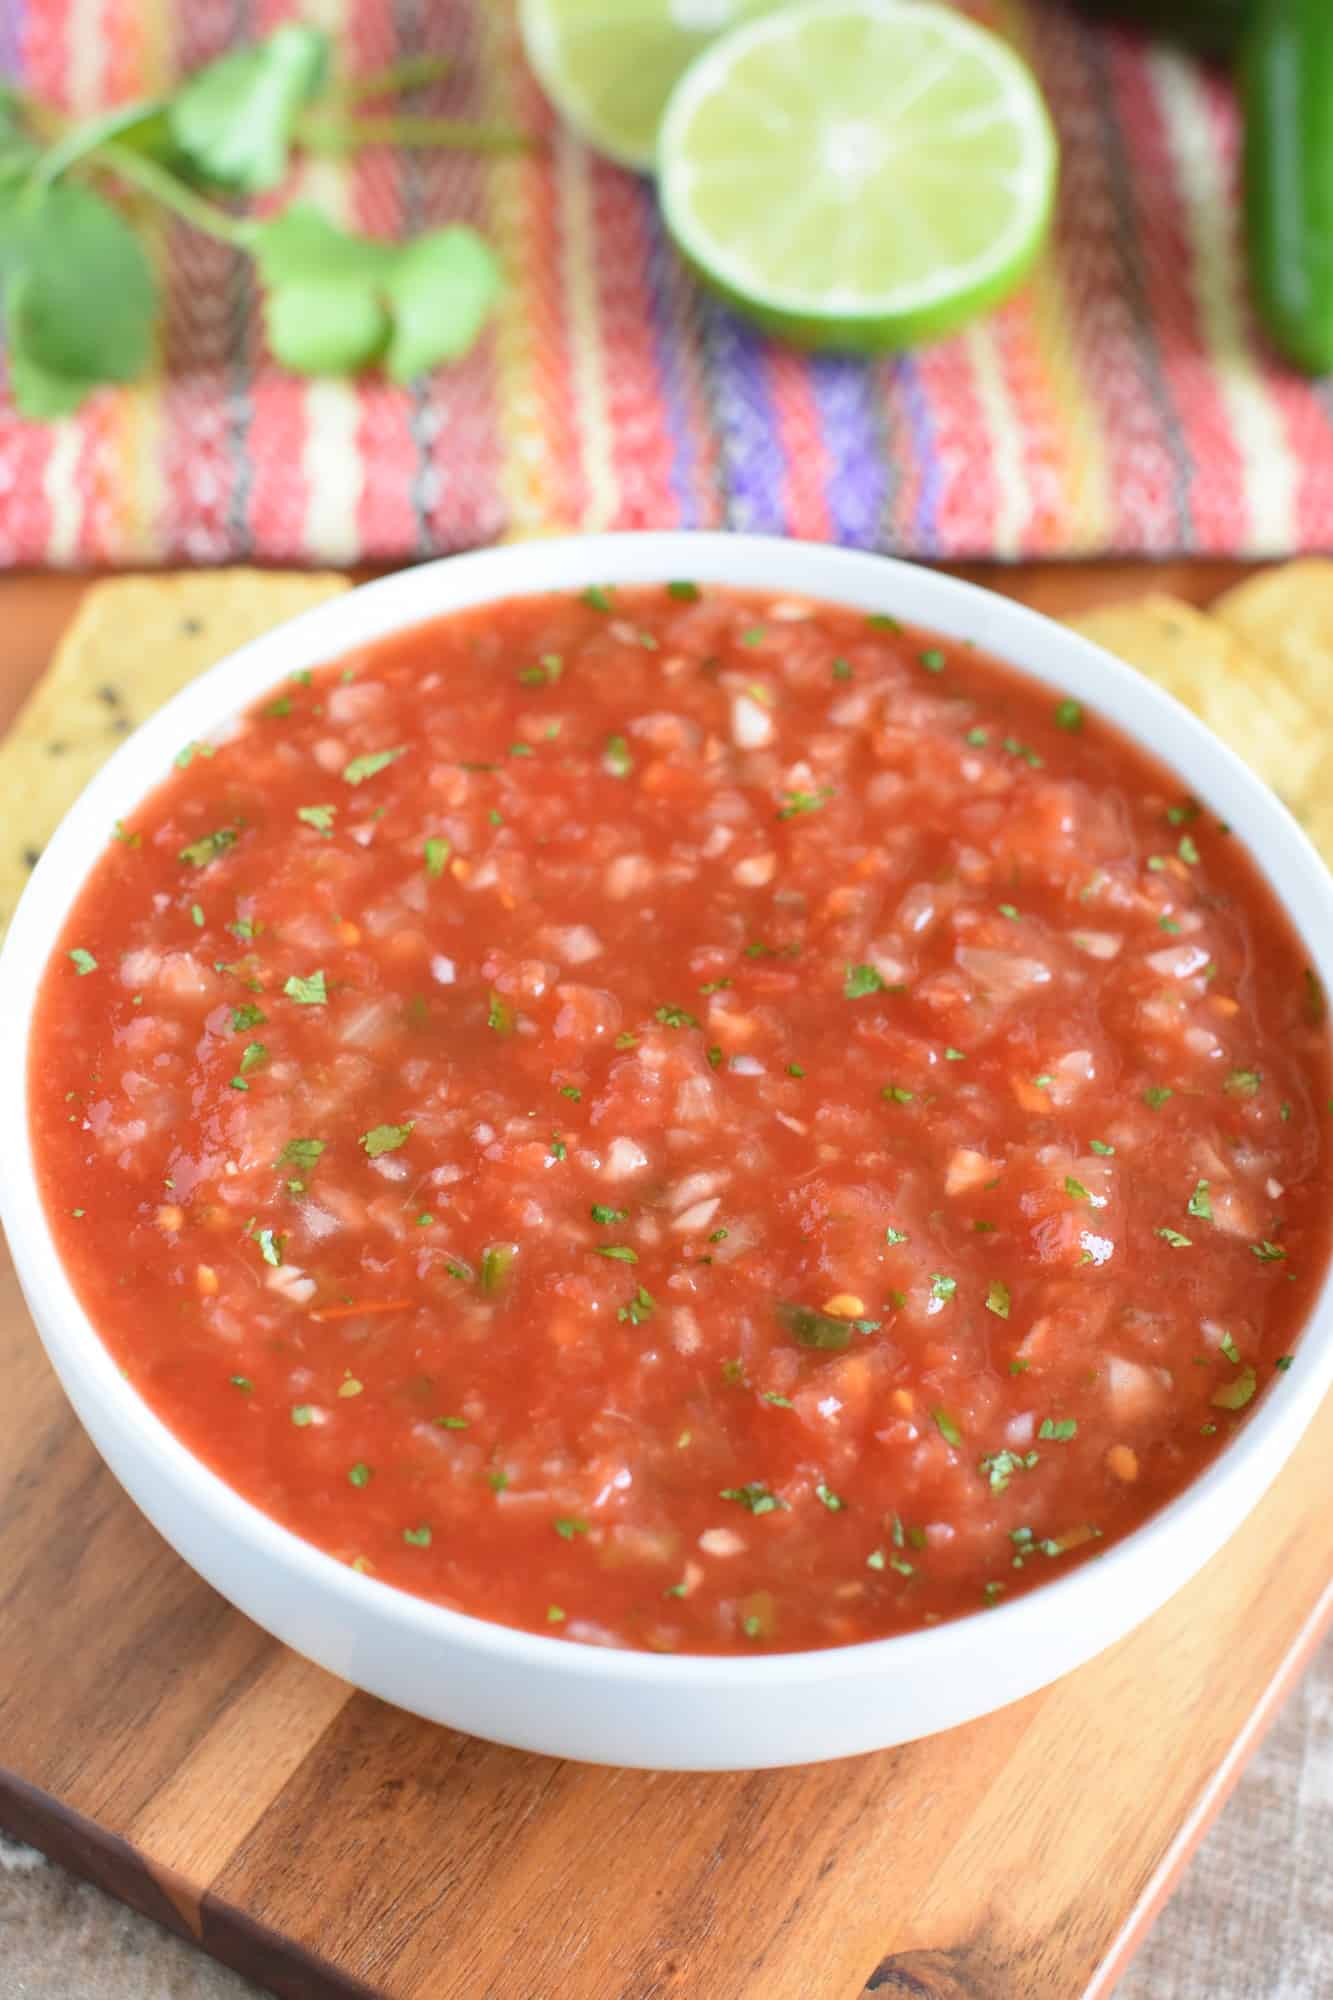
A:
[323,134]
[411,73]
[142,172]
[76,141]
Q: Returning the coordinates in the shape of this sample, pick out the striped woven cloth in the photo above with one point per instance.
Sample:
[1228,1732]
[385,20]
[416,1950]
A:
[1123,402]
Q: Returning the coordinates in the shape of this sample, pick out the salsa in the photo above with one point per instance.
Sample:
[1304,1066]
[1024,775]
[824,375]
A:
[686,1119]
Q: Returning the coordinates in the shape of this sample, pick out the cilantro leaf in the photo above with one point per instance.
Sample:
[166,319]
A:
[860,980]
[302,1153]
[440,290]
[234,118]
[61,251]
[997,1299]
[368,766]
[84,962]
[754,1496]
[385,1138]
[309,992]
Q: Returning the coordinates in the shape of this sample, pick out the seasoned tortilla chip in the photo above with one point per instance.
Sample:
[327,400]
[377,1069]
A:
[1227,682]
[135,641]
[1288,612]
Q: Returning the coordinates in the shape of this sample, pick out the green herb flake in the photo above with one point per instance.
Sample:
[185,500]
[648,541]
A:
[1076,1190]
[1100,1146]
[754,635]
[307,992]
[858,980]
[946,1427]
[572,1092]
[640,1308]
[1268,1253]
[1234,1395]
[601,1213]
[200,852]
[895,1093]
[303,1153]
[616,758]
[270,1246]
[999,1467]
[435,854]
[1008,910]
[555,1614]
[1069,715]
[385,1138]
[829,1498]
[83,961]
[675,1017]
[1187,850]
[123,834]
[754,1496]
[942,1287]
[977,738]
[1284,1362]
[320,817]
[1156,1095]
[243,1383]
[451,1423]
[932,660]
[778,1402]
[877,1559]
[568,1526]
[841,670]
[1058,1430]
[1168,925]
[1243,1082]
[597,597]
[1230,1349]
[559,1150]
[302,1415]
[795,1069]
[1199,1203]
[618,1253]
[370,765]
[360,1474]
[997,1299]
[795,803]
[684,592]
[417,1538]
[497,1261]
[955,1055]
[425,1219]
[1174,1238]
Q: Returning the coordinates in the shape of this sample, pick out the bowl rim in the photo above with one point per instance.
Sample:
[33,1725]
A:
[1026,639]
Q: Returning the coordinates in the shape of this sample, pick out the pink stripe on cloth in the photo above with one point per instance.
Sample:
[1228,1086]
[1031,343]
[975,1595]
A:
[1121,403]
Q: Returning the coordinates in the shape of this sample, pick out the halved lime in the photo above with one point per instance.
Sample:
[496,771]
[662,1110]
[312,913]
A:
[859,173]
[609,66]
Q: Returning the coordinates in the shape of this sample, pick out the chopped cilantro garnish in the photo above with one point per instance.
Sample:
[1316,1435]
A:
[880,621]
[795,1069]
[1199,1203]
[83,961]
[307,992]
[567,1527]
[200,852]
[246,1017]
[252,1056]
[1284,1362]
[811,1328]
[601,1213]
[619,1253]
[320,817]
[1068,715]
[714,1054]
[795,803]
[639,1308]
[559,1150]
[270,1246]
[841,670]
[1075,1189]
[616,758]
[435,853]
[896,1094]
[933,660]
[521,750]
[1230,1349]
[876,1559]
[1234,1395]
[754,1496]
[778,1402]
[892,1235]
[1100,1146]
[1008,910]
[1243,1082]
[1059,1429]
[497,1261]
[451,1423]
[830,1499]
[385,1138]
[1187,851]
[417,1538]
[572,1092]
[123,834]
[1156,1095]
[942,1287]
[303,1153]
[1000,1467]
[978,738]
[302,1415]
[243,1383]
[675,1017]
[554,1615]
[596,597]
[1043,1082]
[684,592]
[859,980]
[955,1055]
[946,1427]
[1268,1253]
[365,767]
[196,916]
[359,1474]
[1169,925]
[1174,1238]
[499,1015]
[754,635]
[997,1299]
[425,1219]
[184,758]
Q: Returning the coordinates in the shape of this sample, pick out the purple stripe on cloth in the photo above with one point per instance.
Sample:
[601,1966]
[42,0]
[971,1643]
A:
[921,535]
[858,484]
[661,269]
[753,467]
[13,21]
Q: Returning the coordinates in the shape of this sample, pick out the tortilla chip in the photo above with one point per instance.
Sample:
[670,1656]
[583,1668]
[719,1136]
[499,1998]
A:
[1288,612]
[1229,684]
[134,641]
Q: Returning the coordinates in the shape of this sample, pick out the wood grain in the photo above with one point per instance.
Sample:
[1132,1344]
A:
[327,1845]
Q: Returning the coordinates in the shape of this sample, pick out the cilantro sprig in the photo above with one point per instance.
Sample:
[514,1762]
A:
[80,295]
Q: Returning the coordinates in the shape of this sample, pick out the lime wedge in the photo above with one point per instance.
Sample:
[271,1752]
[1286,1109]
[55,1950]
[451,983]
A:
[609,66]
[859,173]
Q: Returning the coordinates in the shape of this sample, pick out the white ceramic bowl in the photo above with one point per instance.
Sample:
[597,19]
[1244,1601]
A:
[548,1694]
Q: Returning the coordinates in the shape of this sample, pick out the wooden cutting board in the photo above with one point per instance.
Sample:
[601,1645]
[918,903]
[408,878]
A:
[157,1742]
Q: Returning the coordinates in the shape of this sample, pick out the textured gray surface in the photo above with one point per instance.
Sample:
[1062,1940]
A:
[1253,1919]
